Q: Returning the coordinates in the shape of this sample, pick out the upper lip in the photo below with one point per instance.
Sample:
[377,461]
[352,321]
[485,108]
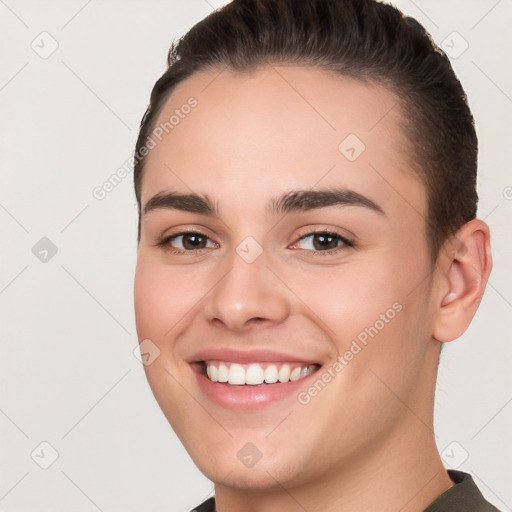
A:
[246,356]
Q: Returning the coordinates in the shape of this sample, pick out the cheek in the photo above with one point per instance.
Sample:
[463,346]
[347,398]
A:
[350,298]
[369,313]
[151,301]
[163,297]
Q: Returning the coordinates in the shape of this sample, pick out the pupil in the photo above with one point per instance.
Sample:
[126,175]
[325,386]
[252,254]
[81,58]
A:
[193,241]
[325,242]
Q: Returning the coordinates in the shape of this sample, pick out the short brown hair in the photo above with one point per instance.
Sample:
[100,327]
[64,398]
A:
[363,39]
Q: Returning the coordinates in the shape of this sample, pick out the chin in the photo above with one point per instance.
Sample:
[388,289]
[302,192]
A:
[262,476]
[235,468]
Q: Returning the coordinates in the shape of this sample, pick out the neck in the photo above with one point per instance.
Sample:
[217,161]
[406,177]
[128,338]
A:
[403,474]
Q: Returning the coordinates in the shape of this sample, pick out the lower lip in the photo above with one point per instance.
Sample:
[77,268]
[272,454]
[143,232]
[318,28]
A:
[247,397]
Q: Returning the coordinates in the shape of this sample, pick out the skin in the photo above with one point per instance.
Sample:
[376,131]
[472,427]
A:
[366,441]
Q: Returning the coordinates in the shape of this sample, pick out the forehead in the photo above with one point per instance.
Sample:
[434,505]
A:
[278,128]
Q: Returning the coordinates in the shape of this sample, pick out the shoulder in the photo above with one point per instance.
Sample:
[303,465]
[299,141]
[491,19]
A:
[464,496]
[206,506]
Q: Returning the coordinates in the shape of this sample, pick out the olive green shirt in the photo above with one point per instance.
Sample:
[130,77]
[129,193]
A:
[464,496]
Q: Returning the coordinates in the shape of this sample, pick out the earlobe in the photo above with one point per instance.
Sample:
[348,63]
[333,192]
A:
[463,272]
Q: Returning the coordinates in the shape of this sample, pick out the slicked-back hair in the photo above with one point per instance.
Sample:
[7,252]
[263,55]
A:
[362,39]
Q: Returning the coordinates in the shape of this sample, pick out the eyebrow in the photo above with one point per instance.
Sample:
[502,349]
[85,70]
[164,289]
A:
[303,200]
[193,203]
[295,201]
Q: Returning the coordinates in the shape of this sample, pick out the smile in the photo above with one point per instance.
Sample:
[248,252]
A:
[249,380]
[254,374]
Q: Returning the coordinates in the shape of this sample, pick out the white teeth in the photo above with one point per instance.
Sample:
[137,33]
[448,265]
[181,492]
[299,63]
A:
[212,373]
[255,374]
[236,374]
[295,374]
[271,374]
[223,373]
[284,373]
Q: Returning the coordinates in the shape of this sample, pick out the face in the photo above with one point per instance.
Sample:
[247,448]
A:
[283,249]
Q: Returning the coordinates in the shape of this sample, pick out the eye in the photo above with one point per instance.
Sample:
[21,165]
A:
[187,242]
[323,241]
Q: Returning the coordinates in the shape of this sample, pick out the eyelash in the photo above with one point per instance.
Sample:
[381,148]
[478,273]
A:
[164,243]
[345,243]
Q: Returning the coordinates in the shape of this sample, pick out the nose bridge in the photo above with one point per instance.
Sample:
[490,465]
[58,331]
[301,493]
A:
[248,291]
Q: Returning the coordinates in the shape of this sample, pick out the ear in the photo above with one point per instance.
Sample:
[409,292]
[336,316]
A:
[463,269]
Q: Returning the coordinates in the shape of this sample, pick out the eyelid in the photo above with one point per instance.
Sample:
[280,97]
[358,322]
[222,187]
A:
[164,240]
[345,244]
[185,230]
[347,238]
[326,228]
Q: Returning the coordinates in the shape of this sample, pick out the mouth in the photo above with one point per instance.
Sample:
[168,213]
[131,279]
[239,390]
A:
[255,374]
[249,386]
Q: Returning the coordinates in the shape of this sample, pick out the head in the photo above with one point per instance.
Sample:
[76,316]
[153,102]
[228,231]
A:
[340,118]
[369,41]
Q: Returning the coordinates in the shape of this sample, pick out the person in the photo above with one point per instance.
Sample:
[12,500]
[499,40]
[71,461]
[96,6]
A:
[305,176]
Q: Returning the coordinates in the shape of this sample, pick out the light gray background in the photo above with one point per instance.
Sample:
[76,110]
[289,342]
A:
[69,376]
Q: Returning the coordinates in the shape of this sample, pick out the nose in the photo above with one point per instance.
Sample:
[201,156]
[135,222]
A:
[248,294]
